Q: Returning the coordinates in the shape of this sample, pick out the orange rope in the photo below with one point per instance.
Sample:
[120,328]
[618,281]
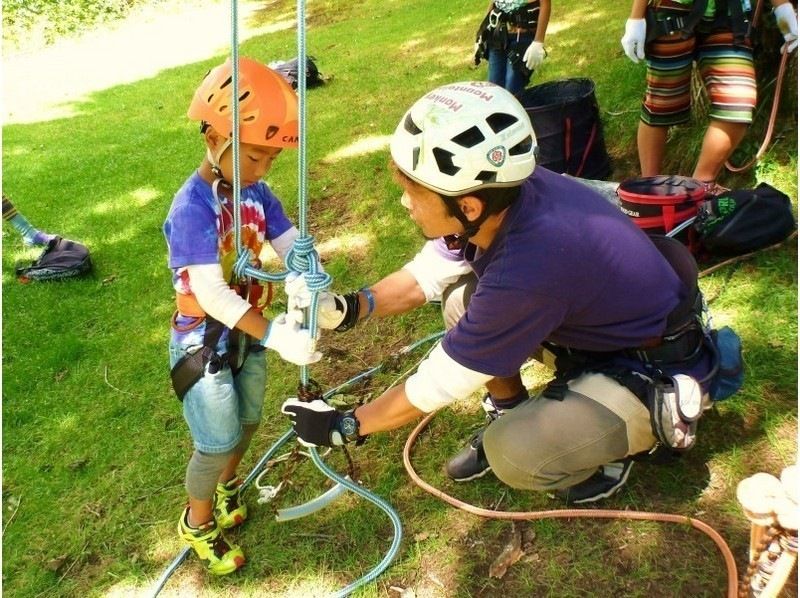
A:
[730,563]
[772,116]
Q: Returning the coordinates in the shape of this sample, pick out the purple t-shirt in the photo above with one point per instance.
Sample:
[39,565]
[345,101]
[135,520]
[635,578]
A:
[566,267]
[199,230]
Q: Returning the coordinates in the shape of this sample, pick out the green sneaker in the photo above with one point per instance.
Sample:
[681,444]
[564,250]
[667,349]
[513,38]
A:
[212,547]
[229,508]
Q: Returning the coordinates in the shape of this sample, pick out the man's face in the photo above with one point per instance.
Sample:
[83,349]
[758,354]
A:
[429,213]
[254,163]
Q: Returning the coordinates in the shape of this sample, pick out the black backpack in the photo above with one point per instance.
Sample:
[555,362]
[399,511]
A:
[289,70]
[744,220]
[61,259]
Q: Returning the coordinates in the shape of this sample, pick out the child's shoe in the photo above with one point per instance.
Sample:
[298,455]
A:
[212,547]
[229,508]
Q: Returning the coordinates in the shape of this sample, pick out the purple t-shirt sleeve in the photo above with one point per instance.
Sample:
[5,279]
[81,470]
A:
[191,233]
[501,329]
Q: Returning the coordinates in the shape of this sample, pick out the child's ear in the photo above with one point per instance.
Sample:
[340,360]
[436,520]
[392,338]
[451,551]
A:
[213,139]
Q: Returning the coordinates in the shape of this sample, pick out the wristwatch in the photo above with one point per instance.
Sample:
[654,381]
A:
[347,429]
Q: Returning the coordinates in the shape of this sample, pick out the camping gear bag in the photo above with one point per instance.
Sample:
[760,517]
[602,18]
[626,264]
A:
[657,204]
[289,70]
[61,259]
[566,119]
[744,220]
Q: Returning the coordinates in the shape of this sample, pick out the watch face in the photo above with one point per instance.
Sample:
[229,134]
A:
[349,426]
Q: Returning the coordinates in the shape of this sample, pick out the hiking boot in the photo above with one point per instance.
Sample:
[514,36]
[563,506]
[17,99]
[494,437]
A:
[229,508]
[607,480]
[218,555]
[470,462]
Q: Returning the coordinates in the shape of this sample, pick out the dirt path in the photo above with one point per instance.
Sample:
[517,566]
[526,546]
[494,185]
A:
[41,84]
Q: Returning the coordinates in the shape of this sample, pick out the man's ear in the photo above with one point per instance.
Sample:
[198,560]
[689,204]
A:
[471,207]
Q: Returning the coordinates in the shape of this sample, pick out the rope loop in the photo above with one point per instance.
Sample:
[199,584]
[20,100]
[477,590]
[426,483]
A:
[303,258]
[242,262]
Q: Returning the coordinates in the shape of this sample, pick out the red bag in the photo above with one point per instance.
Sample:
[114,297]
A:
[657,204]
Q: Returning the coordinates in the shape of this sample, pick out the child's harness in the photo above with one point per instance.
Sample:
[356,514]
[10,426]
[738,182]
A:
[666,20]
[192,366]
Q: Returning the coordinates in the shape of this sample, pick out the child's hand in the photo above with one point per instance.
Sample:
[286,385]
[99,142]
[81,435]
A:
[331,308]
[293,343]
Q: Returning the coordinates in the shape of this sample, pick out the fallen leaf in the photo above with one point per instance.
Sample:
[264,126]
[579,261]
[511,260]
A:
[422,536]
[56,563]
[510,554]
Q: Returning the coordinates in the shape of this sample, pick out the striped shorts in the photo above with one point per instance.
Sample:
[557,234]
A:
[726,70]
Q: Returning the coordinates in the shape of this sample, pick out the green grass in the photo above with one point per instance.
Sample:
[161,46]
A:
[94,444]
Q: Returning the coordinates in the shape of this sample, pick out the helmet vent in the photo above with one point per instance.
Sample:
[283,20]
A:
[500,121]
[228,81]
[444,160]
[486,176]
[244,96]
[523,147]
[469,138]
[409,125]
[414,158]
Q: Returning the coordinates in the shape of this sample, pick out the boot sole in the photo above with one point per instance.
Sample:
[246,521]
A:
[474,476]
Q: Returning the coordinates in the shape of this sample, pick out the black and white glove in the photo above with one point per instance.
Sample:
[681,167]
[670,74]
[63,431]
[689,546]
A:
[334,312]
[318,424]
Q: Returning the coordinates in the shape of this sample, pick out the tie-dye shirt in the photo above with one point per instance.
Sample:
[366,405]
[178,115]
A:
[199,230]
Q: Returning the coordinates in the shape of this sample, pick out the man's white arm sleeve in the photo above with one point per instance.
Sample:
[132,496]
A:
[214,295]
[434,271]
[440,380]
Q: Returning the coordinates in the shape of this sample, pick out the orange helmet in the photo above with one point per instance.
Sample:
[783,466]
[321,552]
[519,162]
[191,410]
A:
[267,104]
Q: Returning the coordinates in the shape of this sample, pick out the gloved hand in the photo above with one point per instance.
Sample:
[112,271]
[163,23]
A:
[787,23]
[293,343]
[634,39]
[334,312]
[534,55]
[313,422]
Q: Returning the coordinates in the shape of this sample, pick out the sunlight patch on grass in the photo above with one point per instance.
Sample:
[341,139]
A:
[145,195]
[356,243]
[360,147]
[68,422]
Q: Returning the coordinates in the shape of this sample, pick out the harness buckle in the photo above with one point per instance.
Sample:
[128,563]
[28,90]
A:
[494,18]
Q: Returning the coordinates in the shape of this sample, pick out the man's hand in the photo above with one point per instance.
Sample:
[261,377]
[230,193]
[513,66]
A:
[634,39]
[787,23]
[313,422]
[534,55]
[293,343]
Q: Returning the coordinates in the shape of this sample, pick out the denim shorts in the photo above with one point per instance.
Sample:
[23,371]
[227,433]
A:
[219,404]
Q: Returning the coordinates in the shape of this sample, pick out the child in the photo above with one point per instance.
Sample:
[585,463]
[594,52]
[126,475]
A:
[218,362]
[511,38]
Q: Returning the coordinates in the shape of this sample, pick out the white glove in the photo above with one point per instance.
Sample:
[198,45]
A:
[331,308]
[634,39]
[293,344]
[787,23]
[534,55]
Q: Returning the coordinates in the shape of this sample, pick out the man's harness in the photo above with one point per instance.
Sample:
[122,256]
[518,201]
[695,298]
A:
[682,345]
[493,32]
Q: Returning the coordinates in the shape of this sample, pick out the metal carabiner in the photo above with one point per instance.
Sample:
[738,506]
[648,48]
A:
[494,18]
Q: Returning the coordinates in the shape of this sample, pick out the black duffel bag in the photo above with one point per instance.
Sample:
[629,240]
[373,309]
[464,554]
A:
[744,220]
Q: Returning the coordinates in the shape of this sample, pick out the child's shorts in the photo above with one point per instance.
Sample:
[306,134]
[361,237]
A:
[726,70]
[219,404]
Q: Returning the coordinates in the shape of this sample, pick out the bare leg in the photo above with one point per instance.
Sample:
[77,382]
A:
[720,140]
[199,512]
[651,142]
[505,388]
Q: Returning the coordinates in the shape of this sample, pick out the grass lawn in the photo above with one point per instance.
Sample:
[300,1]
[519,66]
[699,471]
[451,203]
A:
[94,443]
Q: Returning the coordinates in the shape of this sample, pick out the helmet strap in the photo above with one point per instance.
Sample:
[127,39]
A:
[215,159]
[471,227]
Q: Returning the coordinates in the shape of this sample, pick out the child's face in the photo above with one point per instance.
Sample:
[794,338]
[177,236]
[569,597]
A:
[254,163]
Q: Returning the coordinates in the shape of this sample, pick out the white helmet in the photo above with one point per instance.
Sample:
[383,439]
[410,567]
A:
[465,136]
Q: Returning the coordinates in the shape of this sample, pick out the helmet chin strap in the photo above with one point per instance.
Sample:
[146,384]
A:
[215,160]
[471,227]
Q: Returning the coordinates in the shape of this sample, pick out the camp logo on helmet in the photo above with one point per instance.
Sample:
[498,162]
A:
[497,155]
